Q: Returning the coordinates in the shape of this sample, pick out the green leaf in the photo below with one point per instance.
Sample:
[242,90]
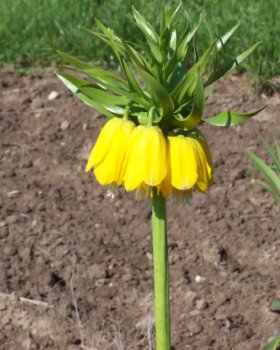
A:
[145,27]
[95,105]
[113,40]
[132,82]
[194,118]
[228,118]
[161,18]
[173,40]
[275,306]
[187,37]
[164,41]
[271,152]
[265,170]
[169,16]
[135,87]
[112,103]
[277,147]
[73,60]
[179,56]
[159,92]
[225,38]
[187,85]
[107,37]
[84,98]
[98,35]
[273,345]
[169,21]
[150,34]
[229,66]
[268,188]
[135,57]
[107,79]
[177,75]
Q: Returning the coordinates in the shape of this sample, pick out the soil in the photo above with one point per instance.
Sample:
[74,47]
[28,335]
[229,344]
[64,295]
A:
[76,264]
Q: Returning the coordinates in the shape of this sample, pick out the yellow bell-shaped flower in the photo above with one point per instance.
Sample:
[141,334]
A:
[146,163]
[189,165]
[108,156]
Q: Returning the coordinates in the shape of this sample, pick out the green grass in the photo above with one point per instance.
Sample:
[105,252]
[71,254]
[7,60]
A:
[31,30]
[269,172]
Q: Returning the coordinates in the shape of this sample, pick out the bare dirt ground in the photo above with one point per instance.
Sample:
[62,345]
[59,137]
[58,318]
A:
[76,265]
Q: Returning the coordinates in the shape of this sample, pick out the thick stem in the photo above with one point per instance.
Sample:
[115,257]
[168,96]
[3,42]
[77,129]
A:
[161,273]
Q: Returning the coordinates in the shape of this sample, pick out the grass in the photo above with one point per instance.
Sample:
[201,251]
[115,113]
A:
[31,31]
[269,172]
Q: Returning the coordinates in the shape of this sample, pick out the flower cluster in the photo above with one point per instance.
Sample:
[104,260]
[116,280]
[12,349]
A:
[142,157]
[155,106]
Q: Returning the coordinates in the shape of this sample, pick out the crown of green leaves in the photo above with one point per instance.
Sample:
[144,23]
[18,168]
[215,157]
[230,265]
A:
[157,81]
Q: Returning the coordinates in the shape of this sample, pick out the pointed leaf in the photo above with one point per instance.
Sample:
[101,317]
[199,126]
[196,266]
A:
[110,102]
[194,118]
[187,85]
[84,98]
[160,93]
[161,17]
[137,58]
[268,188]
[150,34]
[105,38]
[271,152]
[275,306]
[182,46]
[264,169]
[229,66]
[273,345]
[95,105]
[173,40]
[98,35]
[164,41]
[73,60]
[135,87]
[177,75]
[145,27]
[228,118]
[109,79]
[225,38]
[277,147]
[171,17]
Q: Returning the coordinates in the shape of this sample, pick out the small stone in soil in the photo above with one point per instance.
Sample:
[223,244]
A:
[12,219]
[3,223]
[189,298]
[64,125]
[53,95]
[199,279]
[13,194]
[201,304]
[194,327]
[96,271]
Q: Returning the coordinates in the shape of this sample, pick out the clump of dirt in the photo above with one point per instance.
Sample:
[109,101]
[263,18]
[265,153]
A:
[76,264]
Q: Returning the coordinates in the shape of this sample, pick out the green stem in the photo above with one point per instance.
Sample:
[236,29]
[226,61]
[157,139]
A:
[161,273]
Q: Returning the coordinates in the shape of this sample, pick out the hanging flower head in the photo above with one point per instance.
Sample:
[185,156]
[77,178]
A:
[152,138]
[108,157]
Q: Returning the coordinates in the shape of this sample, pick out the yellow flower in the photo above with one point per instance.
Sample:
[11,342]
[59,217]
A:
[108,156]
[146,163]
[142,157]
[189,165]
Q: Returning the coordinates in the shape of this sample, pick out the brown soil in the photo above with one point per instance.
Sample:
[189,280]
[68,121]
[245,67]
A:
[76,265]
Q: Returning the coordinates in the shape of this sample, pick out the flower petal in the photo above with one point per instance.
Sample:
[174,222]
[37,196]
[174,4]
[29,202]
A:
[183,163]
[146,163]
[103,143]
[109,154]
[204,163]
